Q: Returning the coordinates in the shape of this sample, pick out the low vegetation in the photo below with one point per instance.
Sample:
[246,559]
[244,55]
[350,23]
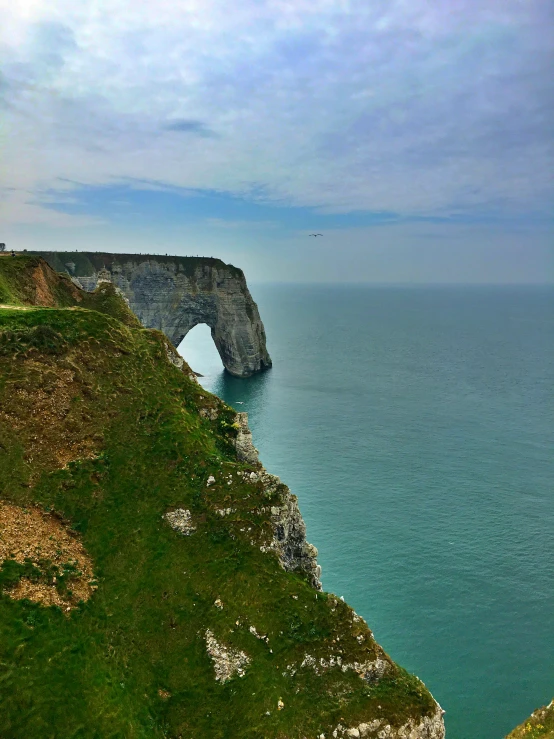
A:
[540,725]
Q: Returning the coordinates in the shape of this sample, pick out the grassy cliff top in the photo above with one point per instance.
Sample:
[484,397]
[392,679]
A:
[88,263]
[129,578]
[29,281]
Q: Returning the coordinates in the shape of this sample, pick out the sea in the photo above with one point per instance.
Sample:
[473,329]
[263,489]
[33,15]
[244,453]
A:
[416,427]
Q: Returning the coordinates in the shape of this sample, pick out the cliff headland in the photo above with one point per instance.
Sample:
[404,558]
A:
[174,294]
[155,579]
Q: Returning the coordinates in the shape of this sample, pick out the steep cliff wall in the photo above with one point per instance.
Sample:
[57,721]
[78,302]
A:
[174,294]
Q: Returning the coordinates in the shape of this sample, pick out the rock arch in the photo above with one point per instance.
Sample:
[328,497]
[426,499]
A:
[174,294]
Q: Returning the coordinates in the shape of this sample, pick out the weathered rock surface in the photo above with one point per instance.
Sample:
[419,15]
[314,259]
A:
[181,520]
[174,294]
[246,451]
[429,727]
[227,662]
[289,530]
[289,539]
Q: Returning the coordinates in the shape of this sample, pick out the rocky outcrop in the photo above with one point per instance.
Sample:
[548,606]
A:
[227,662]
[174,294]
[180,520]
[246,451]
[176,359]
[289,537]
[429,727]
[289,530]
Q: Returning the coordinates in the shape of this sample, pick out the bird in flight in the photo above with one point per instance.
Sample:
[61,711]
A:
[315,234]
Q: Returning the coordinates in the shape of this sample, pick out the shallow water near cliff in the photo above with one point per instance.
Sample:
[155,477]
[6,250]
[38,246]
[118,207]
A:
[415,426]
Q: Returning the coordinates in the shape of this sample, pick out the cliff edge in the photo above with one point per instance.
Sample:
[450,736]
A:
[539,725]
[155,579]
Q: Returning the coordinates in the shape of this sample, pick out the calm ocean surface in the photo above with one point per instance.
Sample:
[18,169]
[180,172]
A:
[416,426]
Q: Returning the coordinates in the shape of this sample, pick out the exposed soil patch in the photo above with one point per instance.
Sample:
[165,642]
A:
[41,287]
[55,435]
[43,294]
[62,570]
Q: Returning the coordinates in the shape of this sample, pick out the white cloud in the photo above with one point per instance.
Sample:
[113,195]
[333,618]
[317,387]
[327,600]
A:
[399,106]
[18,206]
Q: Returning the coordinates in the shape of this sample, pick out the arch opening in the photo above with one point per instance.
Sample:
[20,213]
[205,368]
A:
[200,352]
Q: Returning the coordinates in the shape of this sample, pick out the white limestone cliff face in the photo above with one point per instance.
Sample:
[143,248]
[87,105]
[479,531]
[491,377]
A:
[174,294]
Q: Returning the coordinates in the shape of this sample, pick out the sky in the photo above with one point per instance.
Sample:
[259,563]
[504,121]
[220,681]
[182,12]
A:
[416,136]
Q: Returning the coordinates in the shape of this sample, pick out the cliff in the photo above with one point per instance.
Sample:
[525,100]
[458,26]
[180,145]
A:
[539,725]
[155,579]
[174,294]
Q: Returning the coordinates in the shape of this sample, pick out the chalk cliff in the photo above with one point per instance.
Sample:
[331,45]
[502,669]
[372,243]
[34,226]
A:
[174,294]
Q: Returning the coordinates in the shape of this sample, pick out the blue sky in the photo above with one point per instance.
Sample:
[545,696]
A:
[416,136]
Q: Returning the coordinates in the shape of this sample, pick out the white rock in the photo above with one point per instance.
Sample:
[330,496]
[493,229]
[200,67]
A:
[227,662]
[181,520]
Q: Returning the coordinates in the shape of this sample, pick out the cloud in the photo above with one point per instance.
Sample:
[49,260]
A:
[189,126]
[17,206]
[407,107]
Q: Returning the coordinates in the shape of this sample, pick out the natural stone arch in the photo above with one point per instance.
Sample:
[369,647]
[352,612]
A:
[174,294]
[199,349]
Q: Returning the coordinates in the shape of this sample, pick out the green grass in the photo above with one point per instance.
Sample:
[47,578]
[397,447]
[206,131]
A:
[13,276]
[20,277]
[97,672]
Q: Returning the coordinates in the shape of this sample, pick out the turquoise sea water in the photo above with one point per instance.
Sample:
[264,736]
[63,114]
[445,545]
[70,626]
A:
[416,427]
